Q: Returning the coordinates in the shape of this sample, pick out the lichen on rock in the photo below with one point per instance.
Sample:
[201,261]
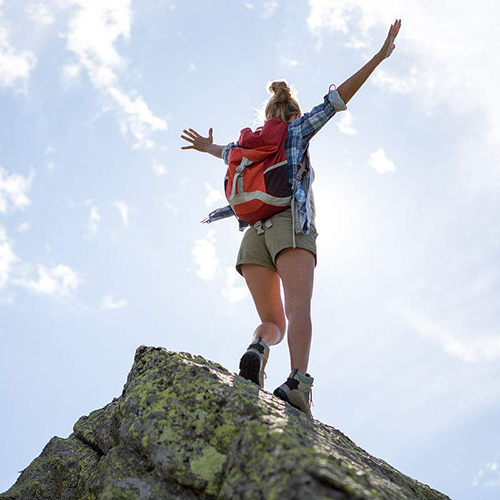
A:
[186,428]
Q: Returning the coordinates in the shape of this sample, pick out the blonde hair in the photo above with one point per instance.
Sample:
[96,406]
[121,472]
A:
[282,103]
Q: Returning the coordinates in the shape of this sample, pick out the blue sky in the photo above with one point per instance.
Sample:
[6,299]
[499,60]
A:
[101,249]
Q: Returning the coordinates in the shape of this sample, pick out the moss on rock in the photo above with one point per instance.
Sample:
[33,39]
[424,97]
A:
[185,427]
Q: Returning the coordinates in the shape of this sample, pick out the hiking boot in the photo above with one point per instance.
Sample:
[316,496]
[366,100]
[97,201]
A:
[253,362]
[297,391]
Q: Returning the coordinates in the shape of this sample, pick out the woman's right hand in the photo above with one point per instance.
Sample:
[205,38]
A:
[389,46]
[198,142]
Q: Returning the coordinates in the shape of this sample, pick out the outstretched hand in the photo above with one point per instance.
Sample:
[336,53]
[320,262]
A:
[198,142]
[389,46]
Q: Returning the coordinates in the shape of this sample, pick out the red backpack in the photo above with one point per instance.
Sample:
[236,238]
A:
[256,182]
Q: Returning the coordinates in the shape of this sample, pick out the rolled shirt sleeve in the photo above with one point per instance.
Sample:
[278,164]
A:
[225,151]
[335,100]
[309,124]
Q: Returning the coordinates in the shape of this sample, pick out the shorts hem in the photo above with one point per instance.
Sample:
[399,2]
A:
[257,262]
[313,251]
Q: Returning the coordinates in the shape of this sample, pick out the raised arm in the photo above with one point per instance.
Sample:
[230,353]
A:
[353,84]
[203,144]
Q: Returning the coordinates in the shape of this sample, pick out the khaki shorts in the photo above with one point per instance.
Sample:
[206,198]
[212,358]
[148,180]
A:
[262,249]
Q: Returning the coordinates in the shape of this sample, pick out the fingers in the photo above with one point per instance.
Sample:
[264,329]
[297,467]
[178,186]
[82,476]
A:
[394,29]
[189,139]
[397,25]
[190,133]
[187,147]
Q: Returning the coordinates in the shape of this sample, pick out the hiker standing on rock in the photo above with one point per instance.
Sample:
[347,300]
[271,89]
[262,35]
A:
[268,186]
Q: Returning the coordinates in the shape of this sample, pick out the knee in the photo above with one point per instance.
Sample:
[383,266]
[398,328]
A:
[298,310]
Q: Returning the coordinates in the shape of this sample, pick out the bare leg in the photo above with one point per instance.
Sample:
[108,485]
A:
[296,268]
[264,285]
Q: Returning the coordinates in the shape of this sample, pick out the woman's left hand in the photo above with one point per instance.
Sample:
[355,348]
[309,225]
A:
[198,142]
[389,45]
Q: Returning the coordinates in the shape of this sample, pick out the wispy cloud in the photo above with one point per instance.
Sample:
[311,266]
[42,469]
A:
[59,281]
[345,123]
[213,195]
[380,163]
[488,475]
[40,13]
[92,34]
[446,69]
[231,292]
[109,302]
[15,65]
[289,62]
[93,223]
[14,190]
[205,256]
[159,169]
[172,208]
[467,346]
[23,227]
[124,211]
[7,257]
[268,9]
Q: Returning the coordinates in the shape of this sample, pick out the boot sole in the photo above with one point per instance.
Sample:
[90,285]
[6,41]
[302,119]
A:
[250,367]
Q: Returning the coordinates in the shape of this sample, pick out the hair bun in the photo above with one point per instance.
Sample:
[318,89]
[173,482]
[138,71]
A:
[281,91]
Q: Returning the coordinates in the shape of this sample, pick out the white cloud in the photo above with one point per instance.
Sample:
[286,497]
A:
[15,65]
[355,43]
[249,5]
[345,123]
[231,292]
[446,69]
[457,343]
[404,84]
[380,163]
[92,34]
[212,195]
[23,227]
[289,62]
[108,302]
[58,281]
[50,150]
[39,13]
[14,189]
[7,257]
[93,223]
[192,67]
[124,211]
[159,169]
[136,118]
[171,207]
[50,166]
[488,475]
[269,8]
[70,74]
[204,256]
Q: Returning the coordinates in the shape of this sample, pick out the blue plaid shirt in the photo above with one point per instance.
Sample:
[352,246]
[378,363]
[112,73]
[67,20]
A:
[300,132]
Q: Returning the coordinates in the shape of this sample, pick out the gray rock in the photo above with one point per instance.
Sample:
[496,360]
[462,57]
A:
[186,428]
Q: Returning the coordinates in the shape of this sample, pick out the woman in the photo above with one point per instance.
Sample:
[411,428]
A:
[270,254]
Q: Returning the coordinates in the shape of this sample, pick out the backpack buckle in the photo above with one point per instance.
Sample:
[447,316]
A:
[258,227]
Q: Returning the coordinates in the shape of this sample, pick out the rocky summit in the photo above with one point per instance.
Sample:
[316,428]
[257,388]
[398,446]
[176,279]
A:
[186,428]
